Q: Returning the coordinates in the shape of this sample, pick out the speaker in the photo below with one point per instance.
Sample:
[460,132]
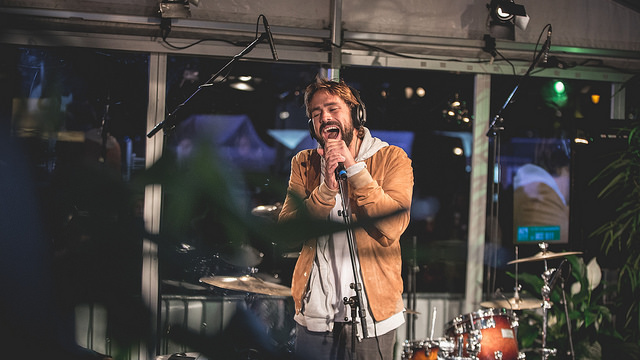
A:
[358,114]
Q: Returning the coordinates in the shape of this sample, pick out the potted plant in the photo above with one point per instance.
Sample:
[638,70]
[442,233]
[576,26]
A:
[620,236]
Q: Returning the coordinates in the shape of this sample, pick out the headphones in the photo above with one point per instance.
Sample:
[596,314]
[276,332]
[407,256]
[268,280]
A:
[358,114]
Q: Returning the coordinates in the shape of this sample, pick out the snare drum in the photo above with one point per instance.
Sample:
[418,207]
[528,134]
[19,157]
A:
[487,334]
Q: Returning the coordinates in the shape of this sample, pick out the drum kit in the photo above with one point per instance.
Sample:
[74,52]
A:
[490,333]
[242,268]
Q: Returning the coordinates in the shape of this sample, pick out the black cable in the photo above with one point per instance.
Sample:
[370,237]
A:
[535,49]
[175,47]
[513,68]
[165,28]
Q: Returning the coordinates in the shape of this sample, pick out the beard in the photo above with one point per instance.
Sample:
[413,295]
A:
[347,134]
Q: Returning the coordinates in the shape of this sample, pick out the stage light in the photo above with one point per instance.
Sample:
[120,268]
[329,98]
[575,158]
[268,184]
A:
[176,9]
[456,113]
[505,15]
[595,98]
[408,92]
[558,87]
[505,10]
[242,86]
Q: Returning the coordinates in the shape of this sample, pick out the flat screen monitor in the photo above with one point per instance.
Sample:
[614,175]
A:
[538,169]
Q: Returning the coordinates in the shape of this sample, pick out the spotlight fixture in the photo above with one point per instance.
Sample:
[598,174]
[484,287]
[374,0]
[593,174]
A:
[505,15]
[505,10]
[176,9]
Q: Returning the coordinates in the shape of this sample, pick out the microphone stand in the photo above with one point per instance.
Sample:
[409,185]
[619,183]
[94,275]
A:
[494,131]
[354,302]
[566,314]
[170,121]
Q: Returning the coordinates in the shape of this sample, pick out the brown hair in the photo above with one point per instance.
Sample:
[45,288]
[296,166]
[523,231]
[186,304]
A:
[337,88]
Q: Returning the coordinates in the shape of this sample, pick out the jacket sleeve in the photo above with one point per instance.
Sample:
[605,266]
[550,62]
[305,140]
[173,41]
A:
[386,189]
[304,197]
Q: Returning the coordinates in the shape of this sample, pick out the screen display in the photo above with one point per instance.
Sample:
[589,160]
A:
[538,170]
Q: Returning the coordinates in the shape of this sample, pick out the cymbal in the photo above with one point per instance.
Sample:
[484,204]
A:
[267,211]
[244,255]
[513,304]
[543,255]
[184,285]
[412,312]
[247,283]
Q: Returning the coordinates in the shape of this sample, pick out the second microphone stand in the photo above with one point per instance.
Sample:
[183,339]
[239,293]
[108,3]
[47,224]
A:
[354,302]
[170,122]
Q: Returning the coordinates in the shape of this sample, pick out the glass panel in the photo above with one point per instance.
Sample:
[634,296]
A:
[436,108]
[538,186]
[257,132]
[239,116]
[229,157]
[76,122]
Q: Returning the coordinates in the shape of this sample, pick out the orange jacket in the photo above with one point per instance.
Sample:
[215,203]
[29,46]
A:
[384,187]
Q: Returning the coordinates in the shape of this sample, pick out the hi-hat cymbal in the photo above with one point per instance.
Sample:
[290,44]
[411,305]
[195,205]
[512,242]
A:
[513,304]
[543,255]
[247,283]
[412,312]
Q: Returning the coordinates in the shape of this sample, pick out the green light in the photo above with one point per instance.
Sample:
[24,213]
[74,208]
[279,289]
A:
[558,86]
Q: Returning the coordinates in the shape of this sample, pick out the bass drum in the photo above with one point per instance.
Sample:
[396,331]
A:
[486,334]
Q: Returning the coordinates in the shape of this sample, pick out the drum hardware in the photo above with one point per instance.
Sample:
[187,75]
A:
[547,275]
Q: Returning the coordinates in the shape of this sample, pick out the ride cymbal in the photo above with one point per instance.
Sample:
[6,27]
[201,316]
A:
[544,255]
[247,283]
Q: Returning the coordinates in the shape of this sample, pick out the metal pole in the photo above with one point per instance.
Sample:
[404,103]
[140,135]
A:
[336,40]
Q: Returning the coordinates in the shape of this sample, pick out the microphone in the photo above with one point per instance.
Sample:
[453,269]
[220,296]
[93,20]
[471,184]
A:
[547,45]
[341,172]
[267,29]
[558,274]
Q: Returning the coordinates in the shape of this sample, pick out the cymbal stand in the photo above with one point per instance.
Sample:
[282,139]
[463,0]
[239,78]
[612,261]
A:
[546,305]
[516,289]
